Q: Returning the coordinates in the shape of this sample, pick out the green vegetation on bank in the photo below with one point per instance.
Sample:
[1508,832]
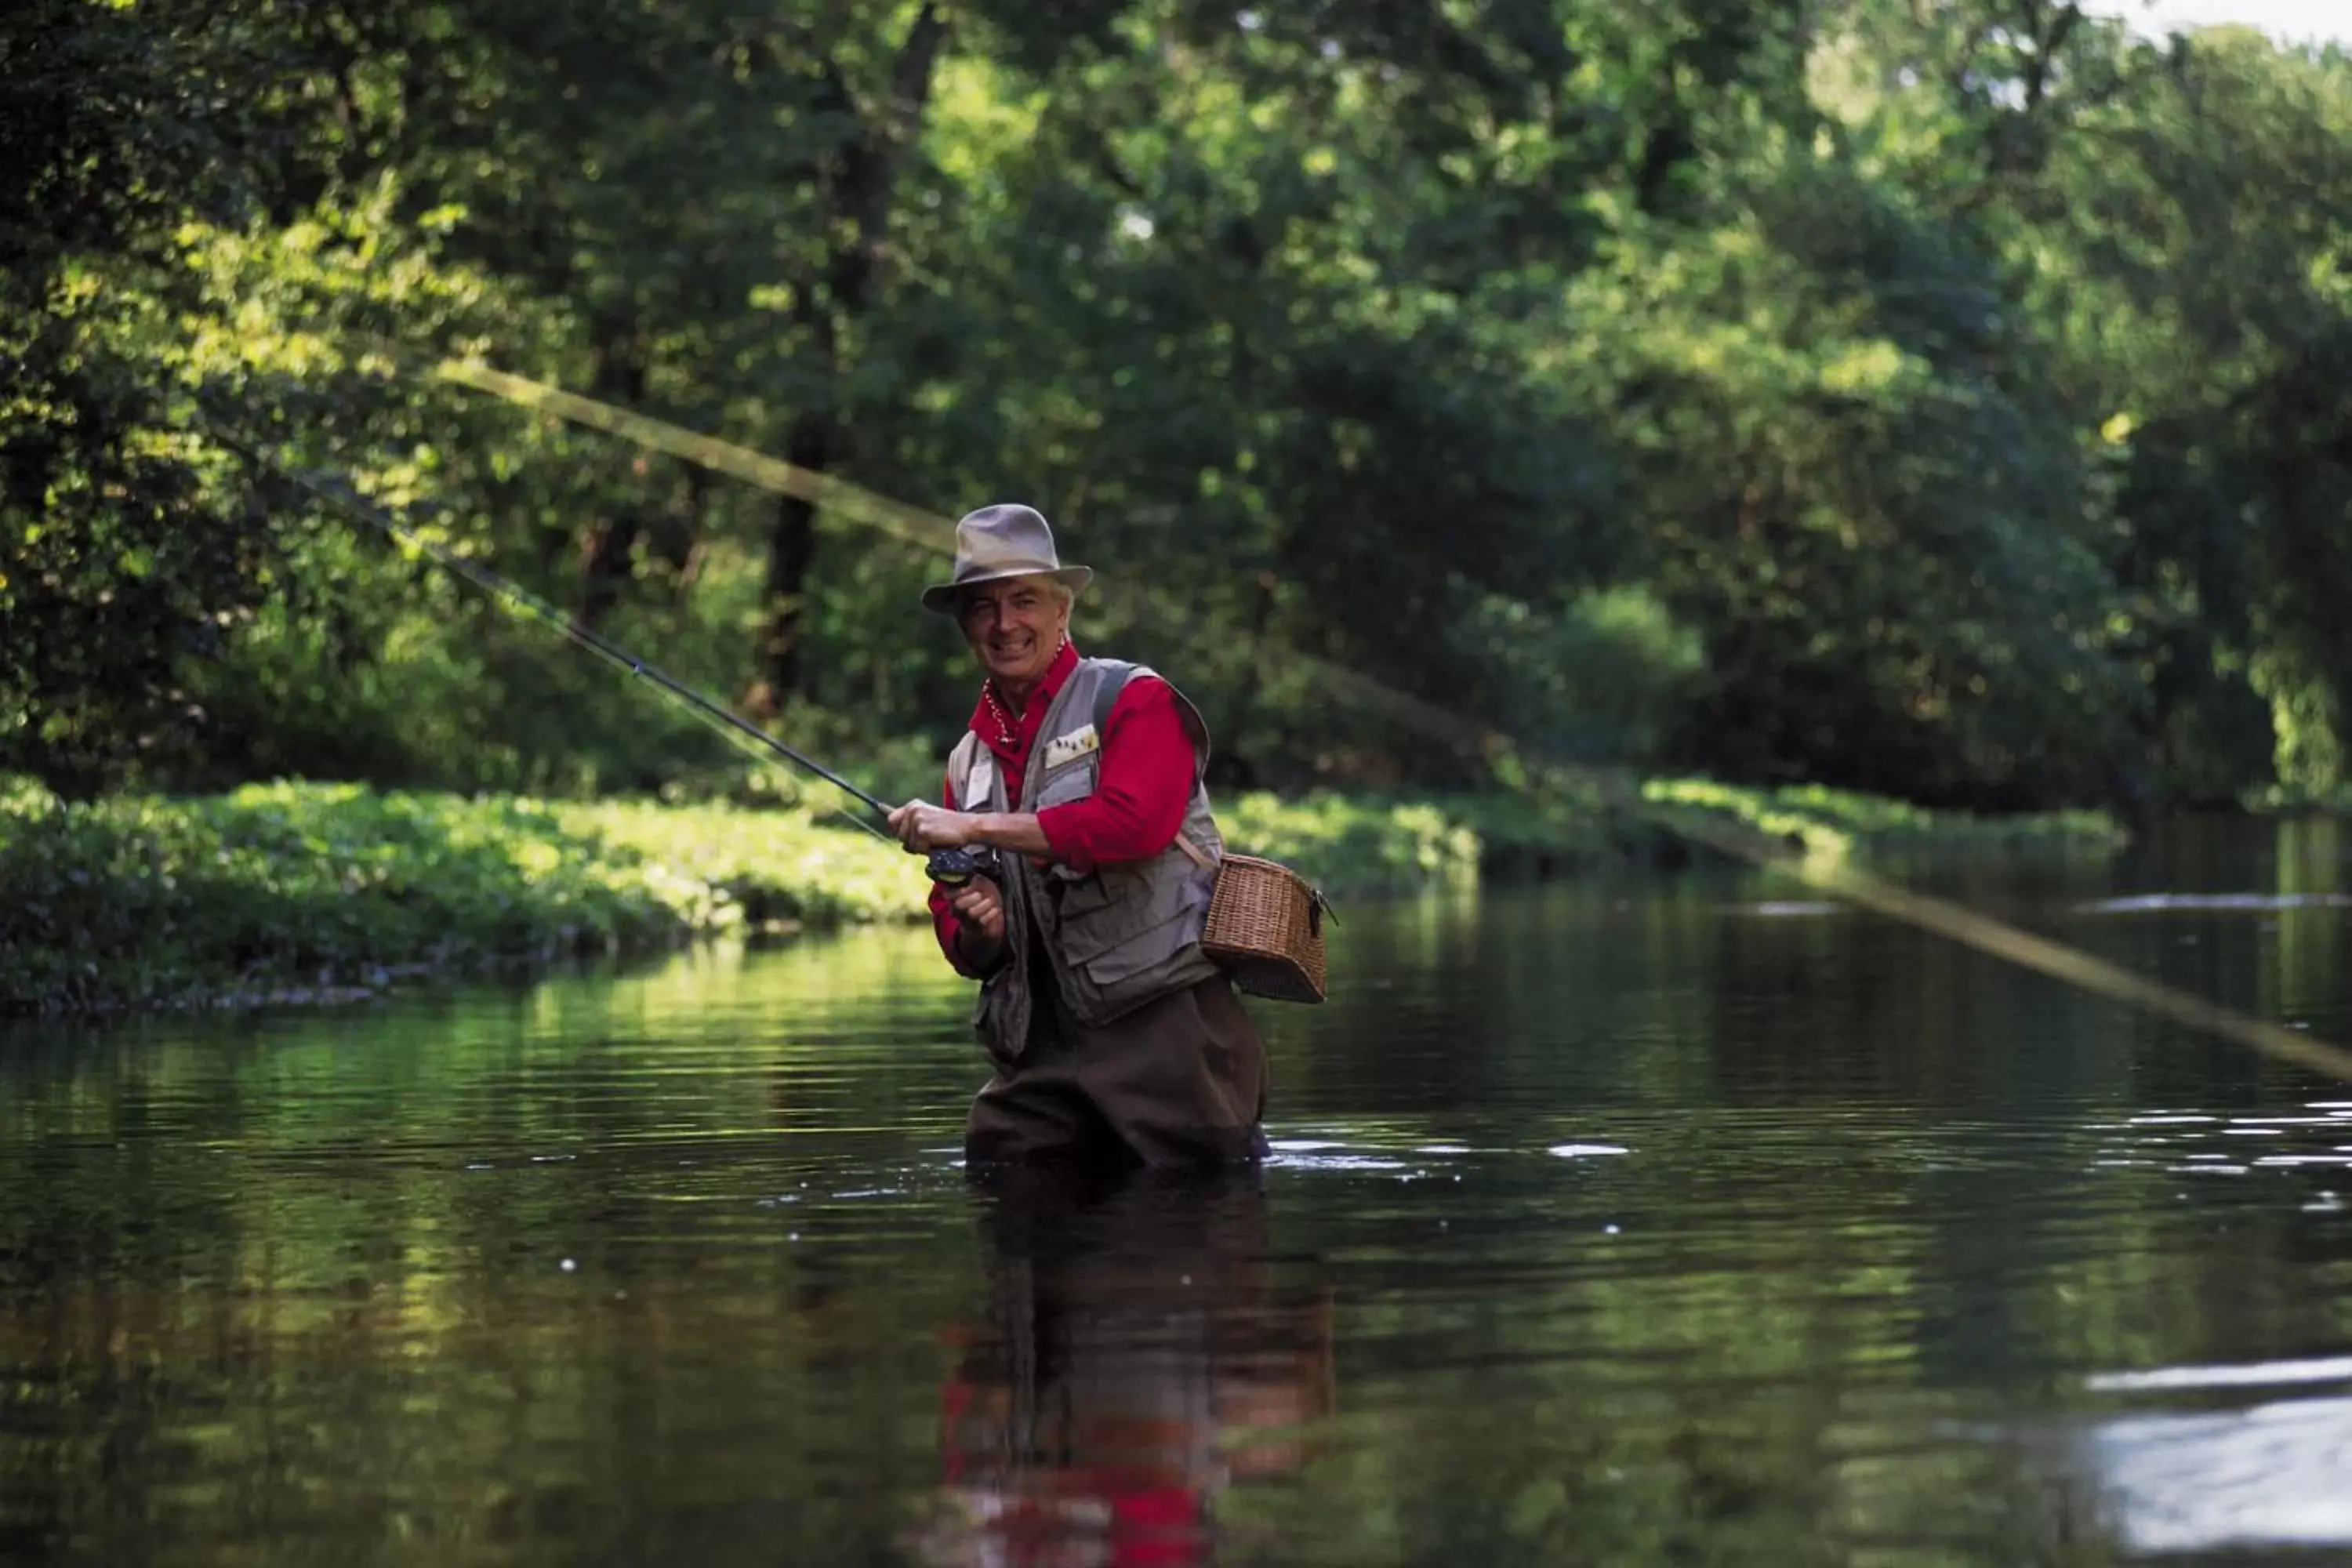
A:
[316,892]
[299,891]
[1823,821]
[1349,844]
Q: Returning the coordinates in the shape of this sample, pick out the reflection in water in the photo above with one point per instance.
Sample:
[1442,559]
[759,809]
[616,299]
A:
[2181,903]
[2263,1375]
[1657,1229]
[2275,1475]
[1136,1361]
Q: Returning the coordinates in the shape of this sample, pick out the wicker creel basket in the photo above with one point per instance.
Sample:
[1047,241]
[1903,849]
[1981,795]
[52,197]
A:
[1265,927]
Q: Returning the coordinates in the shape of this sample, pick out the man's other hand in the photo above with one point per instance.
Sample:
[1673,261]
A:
[980,907]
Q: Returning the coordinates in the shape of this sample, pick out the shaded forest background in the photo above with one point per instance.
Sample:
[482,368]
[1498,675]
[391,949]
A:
[1951,400]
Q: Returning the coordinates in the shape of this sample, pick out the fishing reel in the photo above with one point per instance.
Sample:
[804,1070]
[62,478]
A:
[955,867]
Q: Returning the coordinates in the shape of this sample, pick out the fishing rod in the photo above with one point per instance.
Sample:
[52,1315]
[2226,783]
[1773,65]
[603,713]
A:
[951,867]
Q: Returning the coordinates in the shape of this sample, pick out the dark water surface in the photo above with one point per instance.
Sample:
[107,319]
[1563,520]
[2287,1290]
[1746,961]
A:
[1672,1222]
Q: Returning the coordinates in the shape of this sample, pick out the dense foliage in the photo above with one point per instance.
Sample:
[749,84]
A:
[1946,401]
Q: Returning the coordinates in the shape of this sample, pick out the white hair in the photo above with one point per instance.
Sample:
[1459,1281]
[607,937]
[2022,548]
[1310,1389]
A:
[1056,586]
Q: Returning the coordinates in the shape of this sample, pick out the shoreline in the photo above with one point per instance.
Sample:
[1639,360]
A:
[315,894]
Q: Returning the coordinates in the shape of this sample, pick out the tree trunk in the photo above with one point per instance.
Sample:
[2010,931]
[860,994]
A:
[861,180]
[792,550]
[1229,758]
[607,552]
[678,538]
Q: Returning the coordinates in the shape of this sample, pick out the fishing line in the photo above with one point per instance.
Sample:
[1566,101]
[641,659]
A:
[514,596]
[934,532]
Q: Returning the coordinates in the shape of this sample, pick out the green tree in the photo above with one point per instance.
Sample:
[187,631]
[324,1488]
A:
[116,561]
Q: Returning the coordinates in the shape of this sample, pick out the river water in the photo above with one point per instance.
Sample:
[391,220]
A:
[1667,1221]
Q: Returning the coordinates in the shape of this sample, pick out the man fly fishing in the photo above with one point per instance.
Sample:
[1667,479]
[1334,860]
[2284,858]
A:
[1113,1036]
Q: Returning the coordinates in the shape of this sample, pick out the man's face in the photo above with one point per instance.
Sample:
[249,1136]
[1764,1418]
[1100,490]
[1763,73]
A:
[1015,627]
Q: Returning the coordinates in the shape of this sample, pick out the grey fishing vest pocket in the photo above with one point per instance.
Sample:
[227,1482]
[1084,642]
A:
[1070,783]
[1120,923]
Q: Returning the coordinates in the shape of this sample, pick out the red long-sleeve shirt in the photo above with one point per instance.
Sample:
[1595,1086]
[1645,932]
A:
[1145,781]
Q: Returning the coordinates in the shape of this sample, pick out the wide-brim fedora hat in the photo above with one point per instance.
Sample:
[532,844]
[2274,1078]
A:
[1000,542]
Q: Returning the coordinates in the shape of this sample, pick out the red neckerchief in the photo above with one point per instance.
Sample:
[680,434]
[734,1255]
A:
[1014,753]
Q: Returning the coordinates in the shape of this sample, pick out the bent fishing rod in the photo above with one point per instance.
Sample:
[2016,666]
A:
[951,868]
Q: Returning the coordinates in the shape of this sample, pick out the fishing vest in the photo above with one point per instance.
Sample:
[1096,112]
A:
[1117,936]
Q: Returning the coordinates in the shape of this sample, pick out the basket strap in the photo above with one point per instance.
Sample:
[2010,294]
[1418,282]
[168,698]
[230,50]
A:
[1194,853]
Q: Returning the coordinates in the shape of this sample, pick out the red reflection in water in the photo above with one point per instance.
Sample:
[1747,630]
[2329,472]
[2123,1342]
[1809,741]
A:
[1136,1361]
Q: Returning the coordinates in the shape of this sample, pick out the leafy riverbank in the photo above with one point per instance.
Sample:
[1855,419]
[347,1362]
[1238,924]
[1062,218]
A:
[1354,845]
[318,892]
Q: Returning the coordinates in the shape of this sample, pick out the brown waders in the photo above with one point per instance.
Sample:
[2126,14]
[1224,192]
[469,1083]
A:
[1180,1080]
